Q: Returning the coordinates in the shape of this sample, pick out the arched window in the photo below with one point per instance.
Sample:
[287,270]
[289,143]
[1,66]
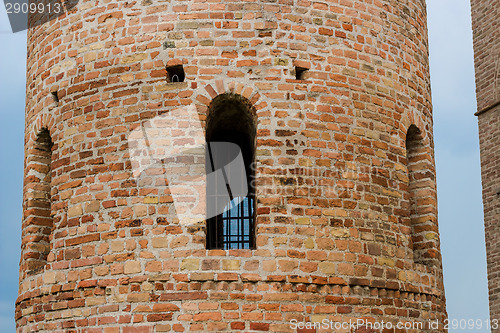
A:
[230,138]
[422,198]
[38,222]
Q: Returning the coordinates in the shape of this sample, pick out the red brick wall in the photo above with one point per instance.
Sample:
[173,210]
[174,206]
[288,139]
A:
[489,132]
[334,233]
[486,27]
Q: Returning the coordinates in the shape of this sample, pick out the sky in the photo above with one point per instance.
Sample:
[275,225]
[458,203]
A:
[456,148]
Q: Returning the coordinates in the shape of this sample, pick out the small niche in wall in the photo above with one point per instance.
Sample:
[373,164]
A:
[175,74]
[55,97]
[300,72]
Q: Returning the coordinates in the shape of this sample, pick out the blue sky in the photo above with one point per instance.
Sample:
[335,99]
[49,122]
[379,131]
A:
[456,145]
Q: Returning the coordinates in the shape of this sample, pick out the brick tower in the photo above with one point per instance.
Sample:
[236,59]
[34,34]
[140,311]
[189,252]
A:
[330,105]
[486,29]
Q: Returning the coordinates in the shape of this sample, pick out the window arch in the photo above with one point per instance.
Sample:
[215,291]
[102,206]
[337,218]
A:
[230,192]
[38,222]
[422,198]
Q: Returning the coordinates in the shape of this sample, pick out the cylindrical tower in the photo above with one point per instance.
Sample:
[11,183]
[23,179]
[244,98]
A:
[330,105]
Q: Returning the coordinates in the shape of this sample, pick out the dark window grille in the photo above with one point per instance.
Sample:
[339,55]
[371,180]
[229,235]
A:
[234,227]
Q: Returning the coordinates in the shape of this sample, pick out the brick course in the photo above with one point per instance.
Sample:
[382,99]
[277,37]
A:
[341,230]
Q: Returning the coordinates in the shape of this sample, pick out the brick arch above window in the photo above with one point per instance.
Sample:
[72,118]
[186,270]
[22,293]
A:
[43,121]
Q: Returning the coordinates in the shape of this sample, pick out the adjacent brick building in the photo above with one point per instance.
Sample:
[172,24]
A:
[333,100]
[486,28]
